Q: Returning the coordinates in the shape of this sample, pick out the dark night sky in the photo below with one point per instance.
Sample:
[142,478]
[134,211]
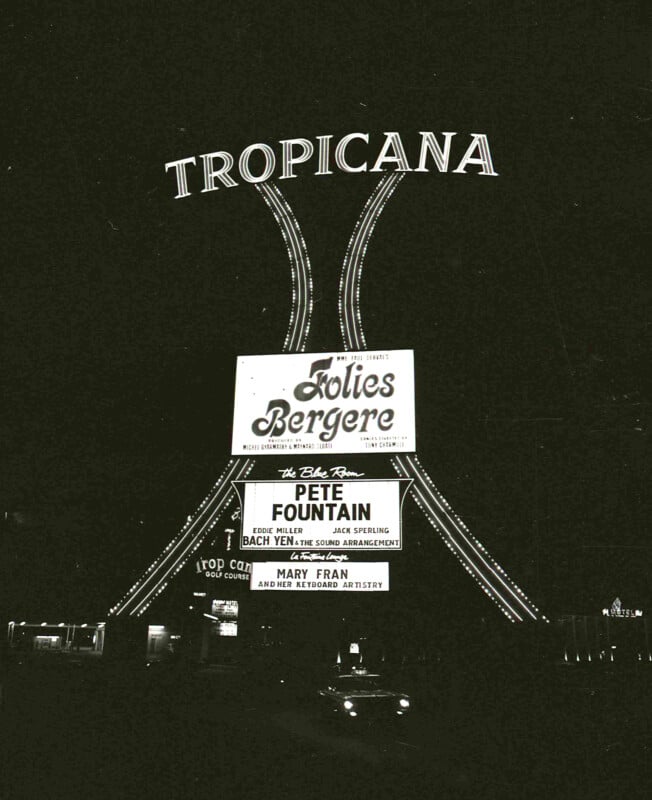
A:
[526,297]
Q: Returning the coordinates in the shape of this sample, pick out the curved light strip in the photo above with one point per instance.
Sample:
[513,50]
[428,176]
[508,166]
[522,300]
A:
[187,541]
[197,525]
[302,295]
[191,542]
[349,296]
[465,558]
[475,558]
[482,566]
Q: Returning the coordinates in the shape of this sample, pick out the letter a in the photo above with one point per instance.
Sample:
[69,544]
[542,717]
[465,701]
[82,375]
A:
[481,144]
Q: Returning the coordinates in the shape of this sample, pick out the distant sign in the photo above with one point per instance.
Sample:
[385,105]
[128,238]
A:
[224,614]
[322,515]
[223,567]
[324,403]
[617,610]
[348,577]
[227,629]
[225,609]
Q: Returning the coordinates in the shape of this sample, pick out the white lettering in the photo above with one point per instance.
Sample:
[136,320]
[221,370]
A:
[481,144]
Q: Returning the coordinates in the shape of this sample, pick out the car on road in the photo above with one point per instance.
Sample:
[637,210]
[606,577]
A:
[361,694]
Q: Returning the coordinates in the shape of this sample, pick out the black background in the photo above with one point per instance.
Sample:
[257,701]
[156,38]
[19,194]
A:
[526,297]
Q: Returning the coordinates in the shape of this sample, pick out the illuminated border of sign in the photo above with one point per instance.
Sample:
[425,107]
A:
[473,556]
[174,557]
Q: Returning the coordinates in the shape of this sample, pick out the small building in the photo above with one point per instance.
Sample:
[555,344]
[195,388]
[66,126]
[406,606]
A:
[615,635]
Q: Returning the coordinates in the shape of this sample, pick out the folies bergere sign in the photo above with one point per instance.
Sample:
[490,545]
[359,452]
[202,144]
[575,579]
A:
[361,402]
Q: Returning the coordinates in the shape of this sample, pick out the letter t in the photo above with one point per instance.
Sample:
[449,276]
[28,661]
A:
[182,179]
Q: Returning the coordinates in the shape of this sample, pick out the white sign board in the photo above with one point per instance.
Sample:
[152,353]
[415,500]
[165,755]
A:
[348,577]
[321,515]
[324,403]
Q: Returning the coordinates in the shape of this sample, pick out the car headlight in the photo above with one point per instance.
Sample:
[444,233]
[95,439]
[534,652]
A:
[404,702]
[348,705]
